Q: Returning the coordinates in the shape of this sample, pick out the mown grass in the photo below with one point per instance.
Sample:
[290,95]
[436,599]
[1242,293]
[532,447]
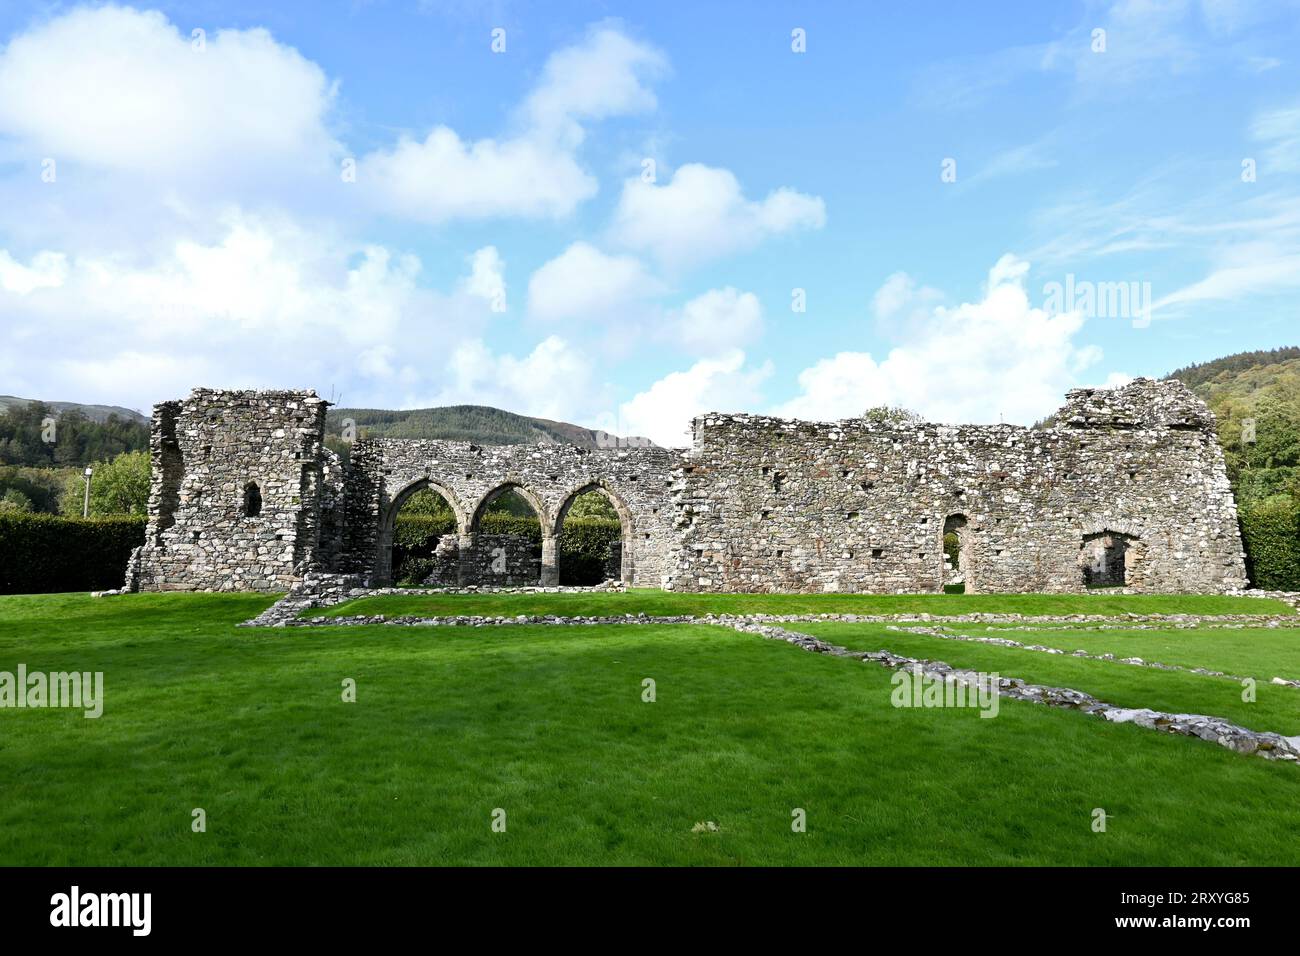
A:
[1250,652]
[1274,708]
[655,602]
[549,724]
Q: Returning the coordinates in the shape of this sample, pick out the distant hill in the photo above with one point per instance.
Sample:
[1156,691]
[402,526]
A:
[1259,389]
[96,413]
[480,424]
[1230,368]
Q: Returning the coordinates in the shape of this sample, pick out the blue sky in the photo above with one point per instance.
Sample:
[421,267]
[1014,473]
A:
[611,220]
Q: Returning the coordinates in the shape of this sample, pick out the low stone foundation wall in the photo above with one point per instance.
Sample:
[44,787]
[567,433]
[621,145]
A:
[497,560]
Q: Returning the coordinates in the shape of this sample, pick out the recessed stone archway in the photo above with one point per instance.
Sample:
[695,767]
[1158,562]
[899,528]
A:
[383,560]
[626,520]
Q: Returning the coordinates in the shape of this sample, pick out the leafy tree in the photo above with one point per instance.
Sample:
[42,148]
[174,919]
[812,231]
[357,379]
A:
[15,500]
[119,487]
[592,504]
[426,501]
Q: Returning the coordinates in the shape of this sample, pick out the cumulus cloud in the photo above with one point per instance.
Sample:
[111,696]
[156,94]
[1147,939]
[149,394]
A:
[47,270]
[267,303]
[534,172]
[585,284]
[702,214]
[604,76]
[120,89]
[717,321]
[487,278]
[998,359]
[443,178]
[663,412]
[552,381]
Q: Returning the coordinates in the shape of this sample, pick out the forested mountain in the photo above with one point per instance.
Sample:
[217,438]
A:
[475,423]
[35,434]
[96,413]
[1256,398]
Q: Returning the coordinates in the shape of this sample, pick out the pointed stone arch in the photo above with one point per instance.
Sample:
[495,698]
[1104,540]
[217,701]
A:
[516,485]
[383,561]
[628,528]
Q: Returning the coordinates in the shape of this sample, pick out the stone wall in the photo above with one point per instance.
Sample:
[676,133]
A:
[1124,487]
[383,473]
[238,483]
[499,560]
[774,505]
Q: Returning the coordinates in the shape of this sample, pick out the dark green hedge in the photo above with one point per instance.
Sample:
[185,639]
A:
[1270,530]
[584,543]
[41,554]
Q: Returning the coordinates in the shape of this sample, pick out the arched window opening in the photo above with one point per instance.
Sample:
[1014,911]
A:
[592,539]
[252,500]
[424,542]
[507,542]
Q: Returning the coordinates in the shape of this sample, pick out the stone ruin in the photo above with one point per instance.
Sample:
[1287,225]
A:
[1124,487]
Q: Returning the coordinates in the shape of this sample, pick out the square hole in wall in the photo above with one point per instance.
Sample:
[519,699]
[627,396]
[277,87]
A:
[877,552]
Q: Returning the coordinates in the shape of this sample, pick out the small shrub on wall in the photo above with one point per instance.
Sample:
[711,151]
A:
[42,554]
[1270,530]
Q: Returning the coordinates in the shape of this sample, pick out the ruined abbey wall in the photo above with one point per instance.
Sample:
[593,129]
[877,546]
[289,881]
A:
[774,505]
[384,472]
[217,457]
[1125,487]
[246,497]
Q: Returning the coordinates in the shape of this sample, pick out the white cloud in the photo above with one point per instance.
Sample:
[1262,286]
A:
[900,302]
[1279,130]
[446,178]
[1243,270]
[602,77]
[487,278]
[534,173]
[121,89]
[663,412]
[717,321]
[552,381]
[47,270]
[996,359]
[702,214]
[268,303]
[582,283]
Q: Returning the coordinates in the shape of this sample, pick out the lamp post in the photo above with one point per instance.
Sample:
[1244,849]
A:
[85,506]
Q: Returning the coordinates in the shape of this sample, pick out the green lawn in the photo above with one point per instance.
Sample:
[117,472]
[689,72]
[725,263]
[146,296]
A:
[1251,652]
[548,723]
[1275,708]
[656,602]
